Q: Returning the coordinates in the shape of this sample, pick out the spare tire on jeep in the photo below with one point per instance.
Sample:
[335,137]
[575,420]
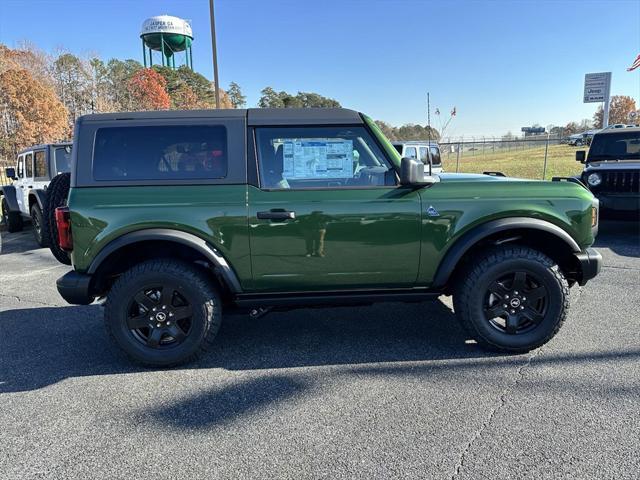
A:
[57,194]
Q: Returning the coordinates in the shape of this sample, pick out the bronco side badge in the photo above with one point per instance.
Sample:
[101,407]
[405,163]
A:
[432,212]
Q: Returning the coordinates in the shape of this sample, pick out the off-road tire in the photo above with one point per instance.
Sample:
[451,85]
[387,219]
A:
[469,298]
[193,283]
[12,220]
[39,229]
[57,194]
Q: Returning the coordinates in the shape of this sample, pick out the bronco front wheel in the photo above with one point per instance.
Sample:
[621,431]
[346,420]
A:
[163,312]
[512,299]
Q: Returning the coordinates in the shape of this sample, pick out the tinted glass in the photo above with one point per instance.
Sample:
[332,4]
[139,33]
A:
[62,156]
[435,156]
[411,152]
[320,157]
[160,153]
[39,165]
[618,146]
[398,148]
[20,167]
[424,155]
[28,161]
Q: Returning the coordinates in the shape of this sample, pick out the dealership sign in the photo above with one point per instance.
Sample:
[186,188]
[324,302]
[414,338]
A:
[597,87]
[532,129]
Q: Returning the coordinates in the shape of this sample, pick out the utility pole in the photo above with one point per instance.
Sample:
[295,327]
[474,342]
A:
[428,132]
[605,112]
[215,53]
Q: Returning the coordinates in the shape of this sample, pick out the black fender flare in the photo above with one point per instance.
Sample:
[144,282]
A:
[40,196]
[218,261]
[482,231]
[9,193]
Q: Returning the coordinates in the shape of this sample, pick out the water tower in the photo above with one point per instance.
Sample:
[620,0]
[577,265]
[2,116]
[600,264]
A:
[167,35]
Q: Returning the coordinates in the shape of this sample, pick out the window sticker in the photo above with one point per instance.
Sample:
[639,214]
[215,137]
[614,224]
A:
[317,158]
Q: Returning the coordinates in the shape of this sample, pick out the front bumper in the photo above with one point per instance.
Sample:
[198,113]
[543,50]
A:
[75,287]
[619,202]
[590,262]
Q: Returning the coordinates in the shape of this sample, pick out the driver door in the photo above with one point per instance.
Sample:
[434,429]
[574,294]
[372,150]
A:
[328,213]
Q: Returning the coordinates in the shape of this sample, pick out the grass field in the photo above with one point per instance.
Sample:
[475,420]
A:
[528,163]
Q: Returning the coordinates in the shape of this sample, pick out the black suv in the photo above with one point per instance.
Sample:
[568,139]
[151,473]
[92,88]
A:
[612,171]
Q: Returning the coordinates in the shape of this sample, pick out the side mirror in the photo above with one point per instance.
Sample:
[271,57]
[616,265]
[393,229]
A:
[412,173]
[580,156]
[10,173]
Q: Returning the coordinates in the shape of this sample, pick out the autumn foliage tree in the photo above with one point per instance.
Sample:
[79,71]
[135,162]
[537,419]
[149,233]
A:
[619,109]
[30,112]
[148,90]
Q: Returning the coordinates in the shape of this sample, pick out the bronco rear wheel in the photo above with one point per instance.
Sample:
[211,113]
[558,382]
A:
[163,312]
[512,299]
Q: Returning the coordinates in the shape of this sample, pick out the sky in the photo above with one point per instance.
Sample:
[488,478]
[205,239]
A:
[502,64]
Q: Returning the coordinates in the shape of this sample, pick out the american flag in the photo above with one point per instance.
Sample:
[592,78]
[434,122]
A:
[635,64]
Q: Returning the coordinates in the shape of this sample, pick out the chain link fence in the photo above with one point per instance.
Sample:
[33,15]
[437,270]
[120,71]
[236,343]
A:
[536,157]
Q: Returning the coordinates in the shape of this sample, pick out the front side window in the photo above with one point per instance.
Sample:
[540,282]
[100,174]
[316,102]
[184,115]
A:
[411,152]
[435,156]
[21,167]
[39,165]
[424,155]
[28,161]
[320,157]
[194,152]
[62,157]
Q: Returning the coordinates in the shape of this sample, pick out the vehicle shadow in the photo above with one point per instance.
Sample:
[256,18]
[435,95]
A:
[18,242]
[41,346]
[622,237]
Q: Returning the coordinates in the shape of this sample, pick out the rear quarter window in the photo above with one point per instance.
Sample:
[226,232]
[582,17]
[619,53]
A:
[40,166]
[163,152]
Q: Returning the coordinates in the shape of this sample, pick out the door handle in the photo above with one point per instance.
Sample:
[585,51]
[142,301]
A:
[276,215]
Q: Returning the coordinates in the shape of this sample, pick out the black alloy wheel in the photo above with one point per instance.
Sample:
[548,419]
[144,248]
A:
[37,223]
[159,315]
[516,303]
[511,298]
[163,312]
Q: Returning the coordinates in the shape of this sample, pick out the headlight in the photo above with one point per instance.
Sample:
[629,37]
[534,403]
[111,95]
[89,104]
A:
[594,179]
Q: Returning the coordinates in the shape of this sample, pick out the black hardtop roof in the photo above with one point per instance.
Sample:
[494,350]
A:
[613,131]
[254,116]
[45,145]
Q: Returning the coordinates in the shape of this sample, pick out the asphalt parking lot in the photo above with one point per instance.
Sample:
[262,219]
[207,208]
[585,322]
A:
[390,391]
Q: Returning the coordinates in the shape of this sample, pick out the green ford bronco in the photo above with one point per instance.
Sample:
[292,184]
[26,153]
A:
[174,217]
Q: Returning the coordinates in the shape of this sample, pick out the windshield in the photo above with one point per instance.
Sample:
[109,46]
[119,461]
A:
[62,156]
[618,146]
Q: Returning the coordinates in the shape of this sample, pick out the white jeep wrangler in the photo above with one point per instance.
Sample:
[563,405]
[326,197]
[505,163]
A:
[423,151]
[25,197]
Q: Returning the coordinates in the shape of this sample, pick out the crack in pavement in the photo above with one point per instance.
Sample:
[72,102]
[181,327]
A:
[574,296]
[21,300]
[503,401]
